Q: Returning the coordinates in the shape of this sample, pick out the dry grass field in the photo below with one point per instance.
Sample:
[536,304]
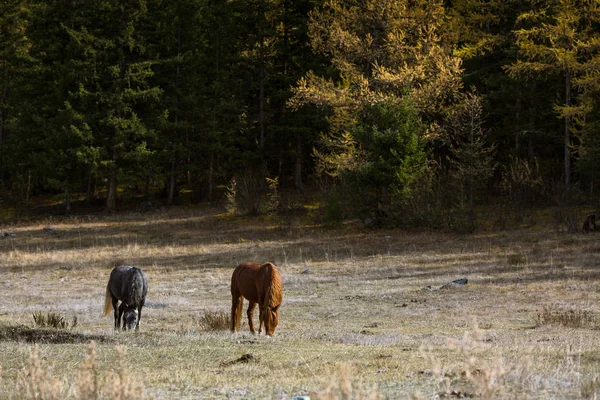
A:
[356,320]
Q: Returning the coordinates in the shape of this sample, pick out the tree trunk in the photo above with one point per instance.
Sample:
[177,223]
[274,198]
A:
[67,201]
[171,183]
[261,119]
[89,193]
[172,175]
[518,105]
[111,194]
[188,172]
[567,137]
[28,191]
[261,115]
[211,170]
[298,167]
[531,127]
[3,100]
[592,178]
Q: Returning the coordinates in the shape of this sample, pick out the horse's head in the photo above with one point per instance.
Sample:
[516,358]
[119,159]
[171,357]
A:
[130,318]
[271,319]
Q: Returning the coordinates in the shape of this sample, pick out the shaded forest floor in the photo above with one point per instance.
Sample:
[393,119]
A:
[363,312]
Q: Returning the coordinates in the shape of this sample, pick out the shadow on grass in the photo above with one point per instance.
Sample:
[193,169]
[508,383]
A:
[501,257]
[26,334]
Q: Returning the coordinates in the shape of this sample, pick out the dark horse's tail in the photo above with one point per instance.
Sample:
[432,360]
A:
[107,301]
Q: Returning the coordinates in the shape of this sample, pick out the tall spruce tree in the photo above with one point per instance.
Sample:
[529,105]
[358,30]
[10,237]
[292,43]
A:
[14,60]
[45,150]
[471,156]
[114,94]
[556,40]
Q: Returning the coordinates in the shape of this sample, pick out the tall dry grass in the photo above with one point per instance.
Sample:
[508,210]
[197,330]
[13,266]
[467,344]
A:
[36,380]
[88,383]
[345,383]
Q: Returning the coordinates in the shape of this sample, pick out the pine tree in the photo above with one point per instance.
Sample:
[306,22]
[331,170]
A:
[472,158]
[44,149]
[14,58]
[115,92]
[557,39]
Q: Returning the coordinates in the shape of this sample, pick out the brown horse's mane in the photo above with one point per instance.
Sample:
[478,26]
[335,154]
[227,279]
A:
[273,287]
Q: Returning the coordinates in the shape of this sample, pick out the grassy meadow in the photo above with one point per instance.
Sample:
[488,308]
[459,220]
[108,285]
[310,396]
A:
[363,315]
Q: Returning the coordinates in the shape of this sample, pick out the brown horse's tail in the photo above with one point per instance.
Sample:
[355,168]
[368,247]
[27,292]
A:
[235,324]
[107,301]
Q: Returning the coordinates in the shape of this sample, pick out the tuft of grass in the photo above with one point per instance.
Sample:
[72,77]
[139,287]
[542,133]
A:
[53,320]
[122,384]
[345,384]
[573,318]
[475,375]
[215,320]
[517,259]
[590,387]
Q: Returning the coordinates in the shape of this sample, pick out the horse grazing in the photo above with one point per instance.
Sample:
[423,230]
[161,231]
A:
[127,284]
[259,284]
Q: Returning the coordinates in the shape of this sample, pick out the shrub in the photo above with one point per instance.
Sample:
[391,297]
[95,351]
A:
[215,320]
[52,320]
[552,315]
[517,259]
[243,194]
[333,210]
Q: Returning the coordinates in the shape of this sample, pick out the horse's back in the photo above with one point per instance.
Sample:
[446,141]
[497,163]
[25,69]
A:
[126,282]
[253,280]
[243,280]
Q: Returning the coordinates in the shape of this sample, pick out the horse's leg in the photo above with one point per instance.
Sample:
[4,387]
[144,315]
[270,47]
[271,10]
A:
[115,301]
[139,316]
[260,319]
[121,311]
[250,315]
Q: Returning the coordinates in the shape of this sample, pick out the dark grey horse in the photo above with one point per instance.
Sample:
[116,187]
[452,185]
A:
[127,284]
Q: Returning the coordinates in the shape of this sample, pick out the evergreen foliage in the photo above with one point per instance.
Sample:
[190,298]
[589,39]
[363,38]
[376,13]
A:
[151,100]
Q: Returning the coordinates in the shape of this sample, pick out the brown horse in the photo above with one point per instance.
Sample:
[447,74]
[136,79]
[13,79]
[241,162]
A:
[259,284]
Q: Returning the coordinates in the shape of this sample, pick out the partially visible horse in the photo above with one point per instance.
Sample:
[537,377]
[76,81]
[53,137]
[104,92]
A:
[128,285]
[259,284]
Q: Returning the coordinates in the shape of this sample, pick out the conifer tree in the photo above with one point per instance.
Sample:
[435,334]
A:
[388,53]
[471,156]
[557,38]
[14,56]
[116,90]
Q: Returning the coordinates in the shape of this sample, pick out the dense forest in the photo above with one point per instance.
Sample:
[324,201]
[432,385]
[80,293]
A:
[400,112]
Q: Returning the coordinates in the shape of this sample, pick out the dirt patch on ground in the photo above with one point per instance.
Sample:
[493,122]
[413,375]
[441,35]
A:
[23,333]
